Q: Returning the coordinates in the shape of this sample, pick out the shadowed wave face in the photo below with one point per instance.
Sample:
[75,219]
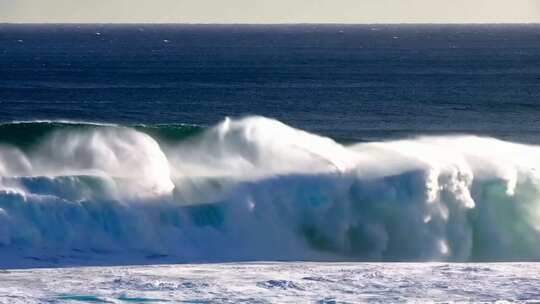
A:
[257,189]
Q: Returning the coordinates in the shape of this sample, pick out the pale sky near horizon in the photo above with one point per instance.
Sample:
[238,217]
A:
[274,11]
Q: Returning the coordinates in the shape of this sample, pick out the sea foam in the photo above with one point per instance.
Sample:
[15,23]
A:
[257,189]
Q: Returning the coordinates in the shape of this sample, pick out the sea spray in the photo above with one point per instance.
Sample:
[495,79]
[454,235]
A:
[257,189]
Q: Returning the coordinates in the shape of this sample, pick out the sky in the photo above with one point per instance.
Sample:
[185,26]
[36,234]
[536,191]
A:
[271,11]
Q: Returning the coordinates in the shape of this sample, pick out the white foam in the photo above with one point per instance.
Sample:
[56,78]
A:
[272,192]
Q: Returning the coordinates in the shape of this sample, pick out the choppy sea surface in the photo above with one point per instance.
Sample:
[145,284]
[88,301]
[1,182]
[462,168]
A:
[350,82]
[278,283]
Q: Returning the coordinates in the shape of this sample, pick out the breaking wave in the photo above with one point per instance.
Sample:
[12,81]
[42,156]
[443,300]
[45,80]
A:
[257,189]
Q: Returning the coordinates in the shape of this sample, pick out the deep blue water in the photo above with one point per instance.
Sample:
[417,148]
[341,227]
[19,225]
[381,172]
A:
[350,82]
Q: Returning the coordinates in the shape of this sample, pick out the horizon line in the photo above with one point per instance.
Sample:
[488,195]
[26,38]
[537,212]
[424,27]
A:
[271,23]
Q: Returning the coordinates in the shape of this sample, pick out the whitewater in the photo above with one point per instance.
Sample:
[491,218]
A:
[291,282]
[255,189]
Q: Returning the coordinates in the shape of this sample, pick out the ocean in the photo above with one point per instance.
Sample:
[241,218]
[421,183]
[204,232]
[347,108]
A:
[349,82]
[339,151]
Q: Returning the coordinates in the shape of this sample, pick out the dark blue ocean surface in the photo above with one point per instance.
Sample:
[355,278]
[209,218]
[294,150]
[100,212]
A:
[350,82]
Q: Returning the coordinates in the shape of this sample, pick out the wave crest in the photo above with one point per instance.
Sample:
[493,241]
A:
[257,189]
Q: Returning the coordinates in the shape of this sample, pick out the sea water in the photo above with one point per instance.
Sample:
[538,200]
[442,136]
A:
[159,144]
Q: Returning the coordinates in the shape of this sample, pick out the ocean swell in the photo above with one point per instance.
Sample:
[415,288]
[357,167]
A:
[257,189]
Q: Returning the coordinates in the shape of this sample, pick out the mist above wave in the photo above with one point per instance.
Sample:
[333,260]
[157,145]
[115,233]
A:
[257,189]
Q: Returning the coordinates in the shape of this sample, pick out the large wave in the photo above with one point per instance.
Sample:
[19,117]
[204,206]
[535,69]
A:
[257,189]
